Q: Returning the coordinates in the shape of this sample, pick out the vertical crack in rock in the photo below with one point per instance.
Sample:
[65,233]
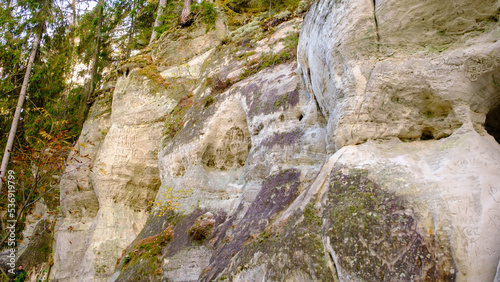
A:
[492,123]
[376,24]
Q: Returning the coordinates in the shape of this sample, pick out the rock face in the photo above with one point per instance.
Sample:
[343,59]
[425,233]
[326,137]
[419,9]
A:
[387,72]
[372,155]
[107,187]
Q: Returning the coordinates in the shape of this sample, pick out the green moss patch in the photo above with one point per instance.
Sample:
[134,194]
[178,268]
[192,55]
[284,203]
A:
[144,257]
[239,12]
[153,74]
[270,59]
[376,237]
[170,17]
[266,60]
[205,12]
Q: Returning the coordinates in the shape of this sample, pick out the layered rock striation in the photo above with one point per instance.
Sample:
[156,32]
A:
[372,155]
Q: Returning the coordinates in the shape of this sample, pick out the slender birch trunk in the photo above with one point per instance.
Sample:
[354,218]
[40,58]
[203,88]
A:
[158,21]
[19,107]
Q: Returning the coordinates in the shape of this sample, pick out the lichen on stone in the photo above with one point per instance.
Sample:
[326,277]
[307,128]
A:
[375,236]
[282,139]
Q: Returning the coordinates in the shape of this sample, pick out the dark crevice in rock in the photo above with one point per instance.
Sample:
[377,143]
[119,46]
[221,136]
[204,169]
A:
[492,123]
[334,266]
[427,134]
[376,24]
[318,107]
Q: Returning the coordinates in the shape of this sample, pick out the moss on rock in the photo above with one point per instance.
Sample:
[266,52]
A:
[38,250]
[375,235]
[143,261]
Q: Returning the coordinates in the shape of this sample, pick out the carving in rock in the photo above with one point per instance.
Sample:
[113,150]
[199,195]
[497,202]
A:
[232,150]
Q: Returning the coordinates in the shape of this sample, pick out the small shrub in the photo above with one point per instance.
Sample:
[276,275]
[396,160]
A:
[202,228]
[225,40]
[291,41]
[169,17]
[165,237]
[219,84]
[198,233]
[245,55]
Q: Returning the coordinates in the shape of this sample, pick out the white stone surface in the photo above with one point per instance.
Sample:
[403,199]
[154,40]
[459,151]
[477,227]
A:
[123,178]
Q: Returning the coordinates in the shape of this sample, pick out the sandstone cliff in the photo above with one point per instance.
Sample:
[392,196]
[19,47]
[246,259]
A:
[367,154]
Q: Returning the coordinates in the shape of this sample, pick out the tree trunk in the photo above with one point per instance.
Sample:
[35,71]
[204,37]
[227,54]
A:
[93,63]
[73,6]
[186,11]
[158,20]
[20,102]
[130,32]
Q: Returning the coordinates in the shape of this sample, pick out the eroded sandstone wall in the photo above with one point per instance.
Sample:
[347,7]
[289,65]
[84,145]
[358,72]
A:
[107,187]
[373,155]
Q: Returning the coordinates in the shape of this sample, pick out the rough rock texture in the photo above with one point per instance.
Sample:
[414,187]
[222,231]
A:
[373,158]
[79,203]
[35,252]
[106,190]
[450,191]
[175,48]
[405,69]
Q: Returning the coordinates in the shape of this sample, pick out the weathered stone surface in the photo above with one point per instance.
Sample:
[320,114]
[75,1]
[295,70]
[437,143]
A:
[371,82]
[187,265]
[450,188]
[410,211]
[79,204]
[371,159]
[120,174]
[177,47]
